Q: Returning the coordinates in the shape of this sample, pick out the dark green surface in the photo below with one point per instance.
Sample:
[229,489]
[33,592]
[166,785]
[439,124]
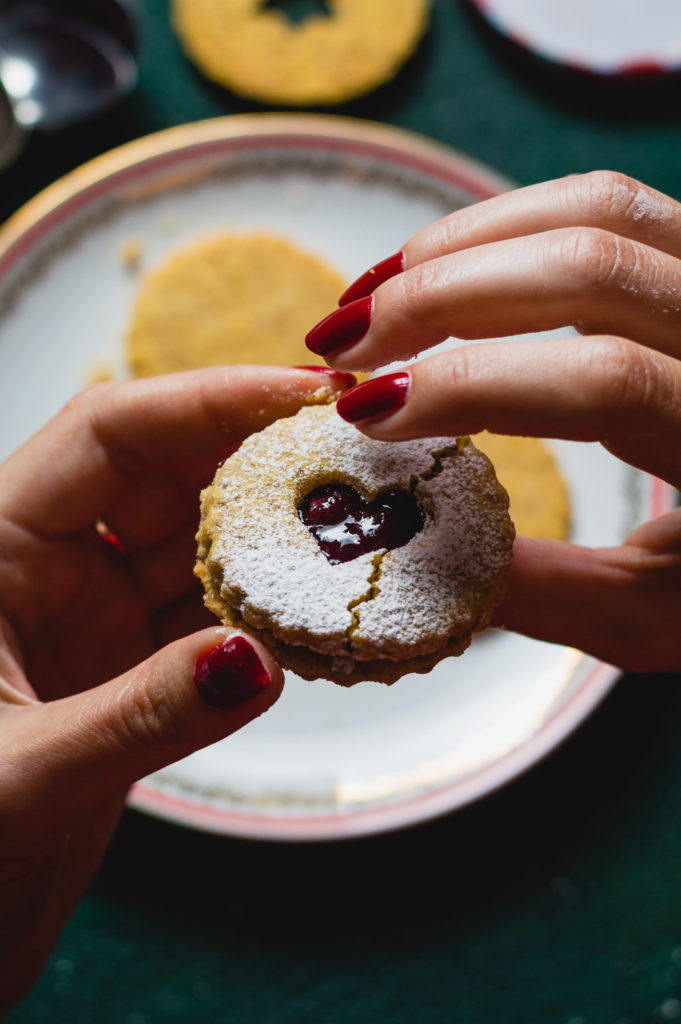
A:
[462,87]
[554,902]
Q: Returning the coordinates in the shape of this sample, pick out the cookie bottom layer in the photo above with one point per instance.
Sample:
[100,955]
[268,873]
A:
[310,664]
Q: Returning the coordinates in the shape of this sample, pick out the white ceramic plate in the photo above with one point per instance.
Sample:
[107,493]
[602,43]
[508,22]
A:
[326,762]
[627,38]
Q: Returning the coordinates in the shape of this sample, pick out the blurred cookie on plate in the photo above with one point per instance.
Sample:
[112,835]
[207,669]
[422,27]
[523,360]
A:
[527,468]
[257,51]
[231,298]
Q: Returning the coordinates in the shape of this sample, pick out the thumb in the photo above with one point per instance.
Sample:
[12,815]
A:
[68,756]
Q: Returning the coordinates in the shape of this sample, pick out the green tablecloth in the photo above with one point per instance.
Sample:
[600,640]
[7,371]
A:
[556,900]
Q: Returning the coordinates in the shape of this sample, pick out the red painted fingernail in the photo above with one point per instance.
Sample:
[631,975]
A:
[342,328]
[344,380]
[230,673]
[374,399]
[110,537]
[379,273]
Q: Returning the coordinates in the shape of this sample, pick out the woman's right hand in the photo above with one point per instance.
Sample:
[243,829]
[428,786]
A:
[598,251]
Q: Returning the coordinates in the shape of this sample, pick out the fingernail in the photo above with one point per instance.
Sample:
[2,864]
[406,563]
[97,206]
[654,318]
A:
[379,273]
[110,537]
[374,399]
[342,328]
[230,673]
[343,380]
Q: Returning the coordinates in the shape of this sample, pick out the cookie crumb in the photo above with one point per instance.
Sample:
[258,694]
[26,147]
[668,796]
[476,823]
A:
[130,253]
[101,372]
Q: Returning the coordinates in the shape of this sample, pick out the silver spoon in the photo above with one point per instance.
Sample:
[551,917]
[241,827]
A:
[62,61]
[12,135]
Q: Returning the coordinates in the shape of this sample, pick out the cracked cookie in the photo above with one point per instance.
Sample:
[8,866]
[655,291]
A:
[354,559]
[538,493]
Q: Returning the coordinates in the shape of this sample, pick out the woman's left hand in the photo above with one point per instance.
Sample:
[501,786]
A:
[109,665]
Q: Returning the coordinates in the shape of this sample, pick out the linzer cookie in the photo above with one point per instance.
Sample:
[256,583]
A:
[255,50]
[354,559]
[537,491]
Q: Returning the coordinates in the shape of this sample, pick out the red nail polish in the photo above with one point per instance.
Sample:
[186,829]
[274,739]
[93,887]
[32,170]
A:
[230,673]
[375,398]
[344,380]
[111,539]
[379,273]
[342,328]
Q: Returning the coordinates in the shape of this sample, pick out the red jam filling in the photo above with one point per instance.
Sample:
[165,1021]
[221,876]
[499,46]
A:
[346,525]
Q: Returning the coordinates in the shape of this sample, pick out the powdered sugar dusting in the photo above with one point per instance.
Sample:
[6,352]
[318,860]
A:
[643,204]
[393,604]
[444,575]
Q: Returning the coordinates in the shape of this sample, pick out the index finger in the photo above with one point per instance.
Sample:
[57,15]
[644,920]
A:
[115,433]
[606,200]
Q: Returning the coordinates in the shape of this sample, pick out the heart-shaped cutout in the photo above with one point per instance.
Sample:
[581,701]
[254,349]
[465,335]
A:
[346,525]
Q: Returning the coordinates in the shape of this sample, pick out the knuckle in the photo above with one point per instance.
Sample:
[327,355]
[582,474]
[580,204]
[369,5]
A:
[596,260]
[648,385]
[417,289]
[418,282]
[630,379]
[450,233]
[462,370]
[443,235]
[143,720]
[610,361]
[608,195]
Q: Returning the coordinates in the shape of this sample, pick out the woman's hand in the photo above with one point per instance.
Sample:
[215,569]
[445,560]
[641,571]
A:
[103,675]
[598,251]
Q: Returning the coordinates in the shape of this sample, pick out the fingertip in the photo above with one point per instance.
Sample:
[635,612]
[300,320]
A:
[376,399]
[236,672]
[94,745]
[337,381]
[342,329]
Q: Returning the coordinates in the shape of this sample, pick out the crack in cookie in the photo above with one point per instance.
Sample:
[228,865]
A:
[385,612]
[373,580]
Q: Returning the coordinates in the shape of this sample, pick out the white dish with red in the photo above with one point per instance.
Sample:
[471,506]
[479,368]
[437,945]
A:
[326,762]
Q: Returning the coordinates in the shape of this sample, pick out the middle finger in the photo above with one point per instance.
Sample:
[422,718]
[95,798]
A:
[598,281]
[586,389]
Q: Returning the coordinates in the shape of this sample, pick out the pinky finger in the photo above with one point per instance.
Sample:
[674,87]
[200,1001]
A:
[612,603]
